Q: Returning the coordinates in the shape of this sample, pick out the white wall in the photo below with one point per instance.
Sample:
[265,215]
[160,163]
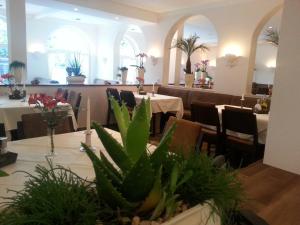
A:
[283,146]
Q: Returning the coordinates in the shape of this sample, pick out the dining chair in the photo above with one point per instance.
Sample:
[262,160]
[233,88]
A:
[207,115]
[33,125]
[111,92]
[2,130]
[76,108]
[128,98]
[236,123]
[185,139]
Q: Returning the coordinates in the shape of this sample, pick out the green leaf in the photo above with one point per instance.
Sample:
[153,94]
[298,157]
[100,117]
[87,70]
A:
[113,148]
[154,196]
[106,190]
[98,162]
[139,181]
[159,207]
[138,134]
[122,117]
[3,174]
[174,178]
[160,153]
[107,163]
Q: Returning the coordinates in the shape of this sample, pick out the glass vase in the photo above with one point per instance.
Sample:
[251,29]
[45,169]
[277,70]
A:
[51,132]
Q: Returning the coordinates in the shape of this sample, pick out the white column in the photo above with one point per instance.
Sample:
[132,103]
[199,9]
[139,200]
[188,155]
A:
[16,27]
[283,145]
[178,58]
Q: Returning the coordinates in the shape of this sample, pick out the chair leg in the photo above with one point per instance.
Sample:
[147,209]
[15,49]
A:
[108,118]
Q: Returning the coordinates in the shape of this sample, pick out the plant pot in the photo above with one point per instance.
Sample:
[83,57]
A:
[75,79]
[203,75]
[198,215]
[197,75]
[189,80]
[141,73]
[124,76]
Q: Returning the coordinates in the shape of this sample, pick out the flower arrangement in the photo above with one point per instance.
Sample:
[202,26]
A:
[8,80]
[53,111]
[272,36]
[141,57]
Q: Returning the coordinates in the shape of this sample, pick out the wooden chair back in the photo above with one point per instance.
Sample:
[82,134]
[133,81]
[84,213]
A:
[185,137]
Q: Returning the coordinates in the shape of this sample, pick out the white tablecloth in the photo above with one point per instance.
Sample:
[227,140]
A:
[67,146]
[12,110]
[262,124]
[163,103]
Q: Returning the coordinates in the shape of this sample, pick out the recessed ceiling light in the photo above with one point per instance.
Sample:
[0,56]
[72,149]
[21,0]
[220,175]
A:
[116,18]
[76,9]
[270,27]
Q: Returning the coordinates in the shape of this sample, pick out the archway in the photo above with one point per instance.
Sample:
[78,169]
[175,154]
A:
[174,60]
[64,44]
[263,24]
[129,43]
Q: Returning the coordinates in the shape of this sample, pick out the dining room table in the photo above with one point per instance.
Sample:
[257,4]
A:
[11,112]
[262,124]
[162,103]
[32,152]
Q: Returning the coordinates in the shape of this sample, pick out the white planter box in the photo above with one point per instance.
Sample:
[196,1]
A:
[75,79]
[198,215]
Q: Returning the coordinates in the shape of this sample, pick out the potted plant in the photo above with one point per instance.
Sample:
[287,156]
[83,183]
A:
[272,36]
[73,69]
[189,46]
[17,68]
[124,72]
[140,67]
[132,185]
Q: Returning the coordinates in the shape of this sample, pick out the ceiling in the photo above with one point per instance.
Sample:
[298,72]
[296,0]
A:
[162,6]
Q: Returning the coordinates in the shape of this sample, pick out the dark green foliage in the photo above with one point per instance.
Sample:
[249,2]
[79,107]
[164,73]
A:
[3,174]
[53,196]
[211,183]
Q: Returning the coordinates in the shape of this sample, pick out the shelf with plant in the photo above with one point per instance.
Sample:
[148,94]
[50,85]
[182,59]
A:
[132,184]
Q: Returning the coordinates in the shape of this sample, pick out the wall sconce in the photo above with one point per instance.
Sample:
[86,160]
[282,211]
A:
[154,60]
[231,60]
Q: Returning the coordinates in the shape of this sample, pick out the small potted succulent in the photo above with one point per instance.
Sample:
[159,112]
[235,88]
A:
[124,73]
[74,72]
[189,46]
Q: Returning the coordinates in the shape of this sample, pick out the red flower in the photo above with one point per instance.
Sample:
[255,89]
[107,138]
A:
[7,76]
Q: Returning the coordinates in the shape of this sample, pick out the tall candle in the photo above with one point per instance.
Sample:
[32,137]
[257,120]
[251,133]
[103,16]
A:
[153,87]
[243,97]
[88,116]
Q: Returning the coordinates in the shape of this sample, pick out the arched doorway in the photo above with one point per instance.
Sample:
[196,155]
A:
[63,45]
[174,60]
[263,55]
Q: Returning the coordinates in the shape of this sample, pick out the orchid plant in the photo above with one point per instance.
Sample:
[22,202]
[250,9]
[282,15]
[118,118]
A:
[141,57]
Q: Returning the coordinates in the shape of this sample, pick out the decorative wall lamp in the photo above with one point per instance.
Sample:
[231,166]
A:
[232,53]
[154,54]
[231,60]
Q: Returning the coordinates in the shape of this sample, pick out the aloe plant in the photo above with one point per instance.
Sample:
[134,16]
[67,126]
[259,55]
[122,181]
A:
[3,174]
[132,180]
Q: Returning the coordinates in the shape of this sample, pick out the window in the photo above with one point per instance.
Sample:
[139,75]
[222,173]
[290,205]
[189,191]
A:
[128,52]
[4,61]
[63,45]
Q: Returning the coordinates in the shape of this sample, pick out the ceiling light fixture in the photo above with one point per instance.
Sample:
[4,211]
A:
[76,9]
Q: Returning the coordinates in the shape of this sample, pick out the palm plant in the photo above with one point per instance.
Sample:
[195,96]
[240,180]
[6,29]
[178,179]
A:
[189,46]
[272,36]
